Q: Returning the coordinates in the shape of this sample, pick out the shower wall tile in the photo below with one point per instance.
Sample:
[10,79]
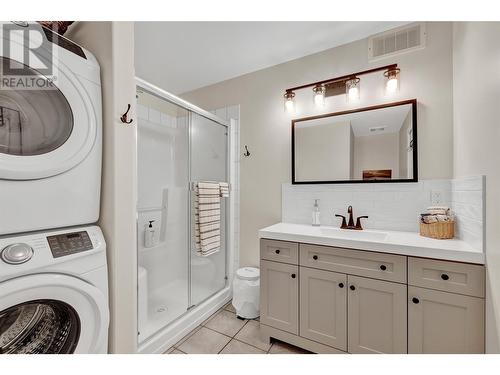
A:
[165,119]
[142,112]
[154,116]
[467,197]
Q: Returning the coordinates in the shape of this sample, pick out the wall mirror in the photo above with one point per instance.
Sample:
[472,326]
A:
[371,144]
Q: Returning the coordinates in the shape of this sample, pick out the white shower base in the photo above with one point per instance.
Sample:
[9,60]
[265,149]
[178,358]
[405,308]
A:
[165,304]
[154,339]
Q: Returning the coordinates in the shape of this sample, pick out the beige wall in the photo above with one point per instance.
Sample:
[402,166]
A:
[113,45]
[379,151]
[265,128]
[323,152]
[476,63]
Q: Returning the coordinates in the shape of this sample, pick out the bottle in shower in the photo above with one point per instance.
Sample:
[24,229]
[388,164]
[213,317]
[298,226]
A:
[149,235]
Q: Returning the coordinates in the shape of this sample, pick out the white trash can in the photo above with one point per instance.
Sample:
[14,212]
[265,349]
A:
[246,290]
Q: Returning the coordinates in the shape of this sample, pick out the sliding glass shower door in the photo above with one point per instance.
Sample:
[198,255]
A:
[209,162]
[176,148]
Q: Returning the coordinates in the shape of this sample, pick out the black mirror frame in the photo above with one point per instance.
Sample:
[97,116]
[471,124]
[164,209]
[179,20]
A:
[413,102]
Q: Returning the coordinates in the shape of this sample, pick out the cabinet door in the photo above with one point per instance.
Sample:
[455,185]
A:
[447,323]
[377,316]
[279,296]
[323,307]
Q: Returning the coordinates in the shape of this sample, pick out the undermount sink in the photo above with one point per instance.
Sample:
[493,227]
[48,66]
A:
[353,234]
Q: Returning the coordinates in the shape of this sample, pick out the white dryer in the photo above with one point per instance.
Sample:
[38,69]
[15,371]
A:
[54,292]
[50,139]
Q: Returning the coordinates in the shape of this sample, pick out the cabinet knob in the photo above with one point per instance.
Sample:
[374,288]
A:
[341,285]
[352,287]
[383,267]
[445,276]
[277,251]
[293,276]
[415,300]
[315,257]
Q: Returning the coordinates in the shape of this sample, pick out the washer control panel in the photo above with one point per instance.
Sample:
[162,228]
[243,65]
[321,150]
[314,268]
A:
[69,243]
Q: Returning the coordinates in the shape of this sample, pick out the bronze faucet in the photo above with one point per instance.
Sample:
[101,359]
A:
[350,224]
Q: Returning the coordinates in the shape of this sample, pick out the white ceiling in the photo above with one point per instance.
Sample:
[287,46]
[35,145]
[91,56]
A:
[183,56]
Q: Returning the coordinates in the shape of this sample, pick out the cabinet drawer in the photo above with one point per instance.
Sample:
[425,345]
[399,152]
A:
[452,277]
[279,251]
[354,262]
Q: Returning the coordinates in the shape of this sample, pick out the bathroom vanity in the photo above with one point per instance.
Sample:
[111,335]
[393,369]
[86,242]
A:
[335,291]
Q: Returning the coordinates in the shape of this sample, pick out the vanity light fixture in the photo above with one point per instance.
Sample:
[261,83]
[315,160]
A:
[352,89]
[348,85]
[392,80]
[319,95]
[289,101]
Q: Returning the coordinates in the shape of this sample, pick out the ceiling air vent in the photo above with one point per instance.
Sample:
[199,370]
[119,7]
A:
[377,129]
[403,39]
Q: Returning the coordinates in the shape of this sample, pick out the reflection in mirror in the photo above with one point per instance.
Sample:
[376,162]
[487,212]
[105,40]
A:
[374,144]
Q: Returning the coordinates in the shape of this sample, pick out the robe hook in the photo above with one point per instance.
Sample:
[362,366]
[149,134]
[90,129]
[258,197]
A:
[124,117]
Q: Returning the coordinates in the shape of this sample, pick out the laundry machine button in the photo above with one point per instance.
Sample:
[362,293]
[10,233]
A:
[17,253]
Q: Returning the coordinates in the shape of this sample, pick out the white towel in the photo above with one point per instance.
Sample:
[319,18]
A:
[438,210]
[206,212]
[204,200]
[209,192]
[208,219]
[208,185]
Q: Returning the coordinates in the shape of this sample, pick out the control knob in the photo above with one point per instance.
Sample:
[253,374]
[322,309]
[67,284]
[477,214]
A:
[17,253]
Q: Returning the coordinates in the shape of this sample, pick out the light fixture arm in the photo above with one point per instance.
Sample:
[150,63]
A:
[343,78]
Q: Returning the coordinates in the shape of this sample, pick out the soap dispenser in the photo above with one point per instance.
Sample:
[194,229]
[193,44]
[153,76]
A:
[149,235]
[315,214]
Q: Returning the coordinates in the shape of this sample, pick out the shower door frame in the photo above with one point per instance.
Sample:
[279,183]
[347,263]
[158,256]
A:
[191,108]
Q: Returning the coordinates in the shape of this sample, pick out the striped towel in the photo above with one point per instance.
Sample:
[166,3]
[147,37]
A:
[207,218]
[224,189]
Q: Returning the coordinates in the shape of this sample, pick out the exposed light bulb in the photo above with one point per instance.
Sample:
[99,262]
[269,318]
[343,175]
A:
[353,93]
[352,87]
[319,95]
[289,101]
[319,100]
[392,80]
[392,84]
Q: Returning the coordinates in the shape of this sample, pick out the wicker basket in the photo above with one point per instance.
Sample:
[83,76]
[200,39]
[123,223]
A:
[440,230]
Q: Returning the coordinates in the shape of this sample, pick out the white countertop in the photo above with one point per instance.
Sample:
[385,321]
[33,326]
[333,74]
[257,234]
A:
[403,243]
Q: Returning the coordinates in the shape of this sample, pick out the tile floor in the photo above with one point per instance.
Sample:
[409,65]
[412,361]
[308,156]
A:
[224,333]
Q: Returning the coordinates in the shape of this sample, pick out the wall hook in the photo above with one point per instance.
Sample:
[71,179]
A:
[124,117]
[246,153]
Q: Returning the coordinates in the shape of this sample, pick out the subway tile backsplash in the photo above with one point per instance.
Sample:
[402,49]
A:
[390,206]
[467,200]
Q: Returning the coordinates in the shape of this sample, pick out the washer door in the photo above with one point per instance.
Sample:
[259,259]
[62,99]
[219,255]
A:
[52,314]
[43,132]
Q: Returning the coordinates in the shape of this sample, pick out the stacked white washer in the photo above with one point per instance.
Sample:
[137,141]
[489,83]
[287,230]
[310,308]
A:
[51,280]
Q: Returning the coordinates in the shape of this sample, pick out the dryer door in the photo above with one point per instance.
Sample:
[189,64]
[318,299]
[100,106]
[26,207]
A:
[45,129]
[51,314]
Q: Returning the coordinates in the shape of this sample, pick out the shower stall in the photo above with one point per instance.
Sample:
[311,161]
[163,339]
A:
[178,145]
